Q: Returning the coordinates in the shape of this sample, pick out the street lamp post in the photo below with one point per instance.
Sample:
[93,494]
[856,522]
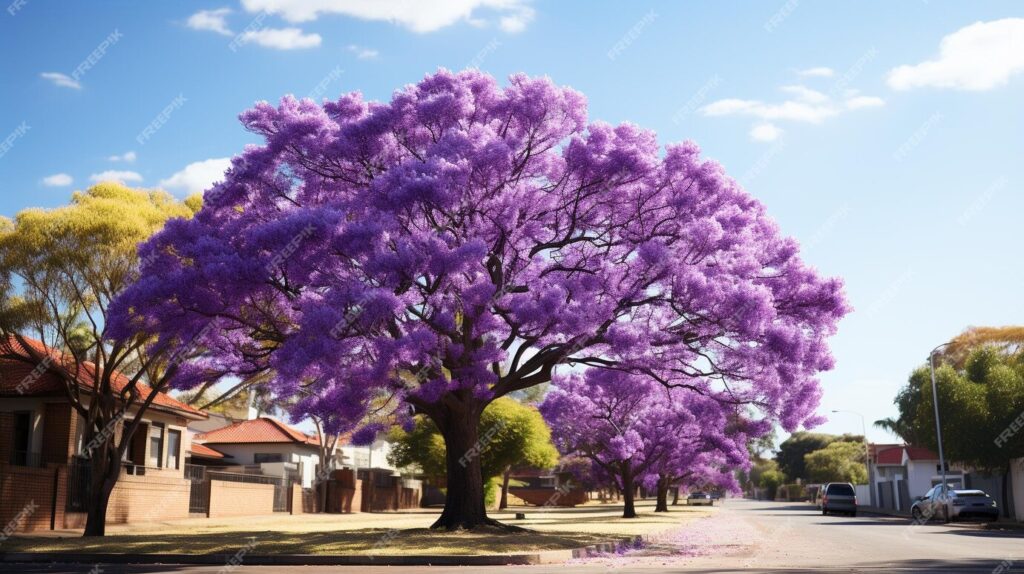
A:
[864,430]
[938,427]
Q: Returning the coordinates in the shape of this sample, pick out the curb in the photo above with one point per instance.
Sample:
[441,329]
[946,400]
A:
[535,558]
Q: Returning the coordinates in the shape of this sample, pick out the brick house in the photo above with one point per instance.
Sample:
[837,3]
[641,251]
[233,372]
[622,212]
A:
[41,438]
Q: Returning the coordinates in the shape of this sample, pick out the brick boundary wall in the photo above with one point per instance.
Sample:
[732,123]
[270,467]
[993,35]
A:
[26,498]
[229,498]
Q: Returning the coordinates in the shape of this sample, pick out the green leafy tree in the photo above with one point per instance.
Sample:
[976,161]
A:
[799,444]
[59,271]
[981,405]
[840,461]
[511,434]
[771,480]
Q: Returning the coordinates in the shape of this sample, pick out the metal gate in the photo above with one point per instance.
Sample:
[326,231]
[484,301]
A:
[199,489]
[282,495]
[79,484]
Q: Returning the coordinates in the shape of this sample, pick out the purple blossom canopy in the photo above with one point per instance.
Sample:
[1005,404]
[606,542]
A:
[614,418]
[471,237]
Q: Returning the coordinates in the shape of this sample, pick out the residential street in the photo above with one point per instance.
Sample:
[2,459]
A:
[742,536]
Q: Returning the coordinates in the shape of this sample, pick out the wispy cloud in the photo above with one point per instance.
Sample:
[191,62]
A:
[127,157]
[805,105]
[116,175]
[978,57]
[62,80]
[211,21]
[818,72]
[765,132]
[363,53]
[198,176]
[58,180]
[281,38]
[418,16]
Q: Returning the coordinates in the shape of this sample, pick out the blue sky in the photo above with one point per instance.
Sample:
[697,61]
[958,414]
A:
[886,137]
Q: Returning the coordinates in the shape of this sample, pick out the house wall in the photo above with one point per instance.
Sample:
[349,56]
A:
[371,456]
[240,499]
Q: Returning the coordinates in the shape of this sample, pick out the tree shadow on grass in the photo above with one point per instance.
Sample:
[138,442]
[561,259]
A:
[341,542]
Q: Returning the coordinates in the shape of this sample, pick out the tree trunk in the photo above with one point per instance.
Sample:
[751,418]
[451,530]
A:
[662,504]
[675,496]
[503,504]
[103,478]
[628,493]
[464,506]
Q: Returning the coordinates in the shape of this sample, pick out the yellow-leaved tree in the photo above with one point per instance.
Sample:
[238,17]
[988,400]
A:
[59,270]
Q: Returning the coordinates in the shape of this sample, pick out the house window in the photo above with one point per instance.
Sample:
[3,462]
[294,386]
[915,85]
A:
[156,445]
[261,457]
[22,434]
[173,448]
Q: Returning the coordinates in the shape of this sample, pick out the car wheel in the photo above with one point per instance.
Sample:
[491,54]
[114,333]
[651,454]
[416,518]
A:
[916,513]
[993,519]
[853,514]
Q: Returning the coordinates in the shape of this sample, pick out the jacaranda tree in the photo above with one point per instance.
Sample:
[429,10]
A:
[636,431]
[460,242]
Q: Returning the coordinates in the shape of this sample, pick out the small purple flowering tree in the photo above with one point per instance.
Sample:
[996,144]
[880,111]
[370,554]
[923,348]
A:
[459,243]
[639,432]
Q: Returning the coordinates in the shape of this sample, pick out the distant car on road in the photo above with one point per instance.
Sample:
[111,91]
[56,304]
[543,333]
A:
[956,505]
[699,498]
[838,497]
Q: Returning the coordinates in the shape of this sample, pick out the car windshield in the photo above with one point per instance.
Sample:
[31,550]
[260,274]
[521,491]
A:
[840,490]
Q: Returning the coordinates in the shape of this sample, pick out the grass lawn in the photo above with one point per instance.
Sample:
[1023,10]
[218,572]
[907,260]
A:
[370,534]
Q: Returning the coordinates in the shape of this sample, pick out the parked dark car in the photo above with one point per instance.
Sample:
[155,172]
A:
[955,505]
[839,497]
[700,498]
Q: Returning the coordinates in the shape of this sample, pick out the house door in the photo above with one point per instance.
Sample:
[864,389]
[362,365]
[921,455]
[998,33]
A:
[22,434]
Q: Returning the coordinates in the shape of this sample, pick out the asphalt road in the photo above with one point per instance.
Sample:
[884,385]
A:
[743,536]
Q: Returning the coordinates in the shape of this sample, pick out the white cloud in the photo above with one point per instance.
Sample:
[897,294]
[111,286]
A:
[281,38]
[858,102]
[198,176]
[116,175]
[978,57]
[765,132]
[58,180]
[210,20]
[363,53]
[62,80]
[806,94]
[791,110]
[805,105]
[819,72]
[417,15]
[127,157]
[515,23]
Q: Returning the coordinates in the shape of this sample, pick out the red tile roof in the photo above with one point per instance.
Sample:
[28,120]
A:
[20,378]
[203,451]
[261,430]
[893,456]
